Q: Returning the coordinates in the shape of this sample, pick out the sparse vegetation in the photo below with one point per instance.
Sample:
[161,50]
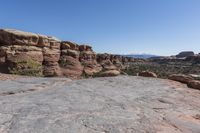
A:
[27,67]
[163,70]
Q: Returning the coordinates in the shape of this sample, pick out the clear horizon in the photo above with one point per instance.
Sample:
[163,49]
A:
[159,27]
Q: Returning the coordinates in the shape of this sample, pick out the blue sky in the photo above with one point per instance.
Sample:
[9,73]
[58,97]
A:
[162,27]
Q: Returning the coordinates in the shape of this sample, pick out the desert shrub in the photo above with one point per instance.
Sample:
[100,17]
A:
[98,74]
[163,70]
[85,75]
[27,67]
[62,62]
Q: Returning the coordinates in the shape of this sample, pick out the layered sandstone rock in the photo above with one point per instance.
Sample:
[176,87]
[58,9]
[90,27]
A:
[88,60]
[28,53]
[39,55]
[24,60]
[194,84]
[110,73]
[16,37]
[51,58]
[181,78]
[108,68]
[69,60]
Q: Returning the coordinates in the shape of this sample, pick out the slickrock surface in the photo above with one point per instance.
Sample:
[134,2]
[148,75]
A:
[120,104]
[9,76]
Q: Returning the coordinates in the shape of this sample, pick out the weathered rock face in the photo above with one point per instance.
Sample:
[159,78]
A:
[29,54]
[51,58]
[147,74]
[88,60]
[69,60]
[24,60]
[34,54]
[16,37]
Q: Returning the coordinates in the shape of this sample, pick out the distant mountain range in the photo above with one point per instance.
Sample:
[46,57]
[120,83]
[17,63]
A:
[143,56]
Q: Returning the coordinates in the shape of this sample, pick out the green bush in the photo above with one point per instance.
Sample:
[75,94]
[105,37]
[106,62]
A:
[27,67]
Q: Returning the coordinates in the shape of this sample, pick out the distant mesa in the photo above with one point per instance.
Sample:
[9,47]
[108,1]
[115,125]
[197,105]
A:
[185,54]
[142,56]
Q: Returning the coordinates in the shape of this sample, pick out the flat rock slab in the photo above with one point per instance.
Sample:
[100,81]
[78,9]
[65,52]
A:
[121,104]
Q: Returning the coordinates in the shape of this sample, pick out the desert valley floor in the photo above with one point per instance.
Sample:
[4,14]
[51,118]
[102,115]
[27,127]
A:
[123,104]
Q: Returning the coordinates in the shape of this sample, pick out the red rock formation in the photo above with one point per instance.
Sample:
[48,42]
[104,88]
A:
[181,78]
[34,54]
[194,84]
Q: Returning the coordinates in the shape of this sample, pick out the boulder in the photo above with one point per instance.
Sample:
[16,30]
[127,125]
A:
[102,57]
[194,84]
[108,65]
[110,73]
[181,78]
[118,64]
[69,45]
[70,52]
[147,74]
[64,46]
[54,43]
[91,67]
[16,37]
[85,48]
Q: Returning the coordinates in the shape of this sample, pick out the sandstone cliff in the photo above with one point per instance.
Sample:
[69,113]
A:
[33,54]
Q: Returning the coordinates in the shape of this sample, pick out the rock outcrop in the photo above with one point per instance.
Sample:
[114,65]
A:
[181,78]
[88,60]
[69,60]
[186,79]
[194,84]
[27,53]
[33,54]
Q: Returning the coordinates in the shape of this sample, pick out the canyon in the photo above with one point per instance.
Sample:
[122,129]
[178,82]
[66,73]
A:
[53,86]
